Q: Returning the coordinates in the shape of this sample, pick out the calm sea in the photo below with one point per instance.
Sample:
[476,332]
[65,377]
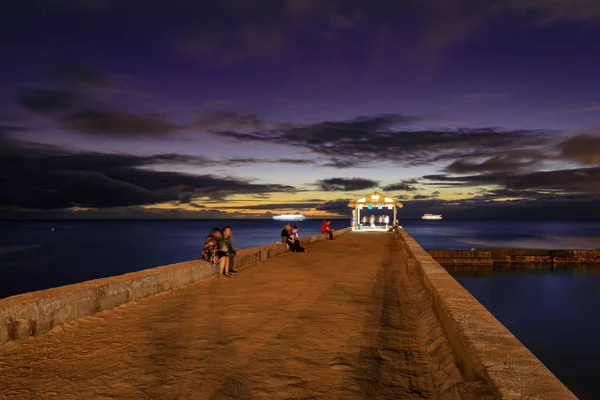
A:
[553,312]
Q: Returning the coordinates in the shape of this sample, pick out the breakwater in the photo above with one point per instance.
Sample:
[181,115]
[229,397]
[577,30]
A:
[371,315]
[33,313]
[489,257]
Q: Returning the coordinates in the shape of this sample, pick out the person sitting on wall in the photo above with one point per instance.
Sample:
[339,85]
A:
[292,243]
[230,250]
[215,255]
[294,232]
[326,229]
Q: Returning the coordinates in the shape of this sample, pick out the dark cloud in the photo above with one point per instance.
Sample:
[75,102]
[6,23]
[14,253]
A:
[251,160]
[378,138]
[420,197]
[119,124]
[6,130]
[217,121]
[339,206]
[44,177]
[483,207]
[582,148]
[579,180]
[48,101]
[340,163]
[346,184]
[514,160]
[278,206]
[405,186]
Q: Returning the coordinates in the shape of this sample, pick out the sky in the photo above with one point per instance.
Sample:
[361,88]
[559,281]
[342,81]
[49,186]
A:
[245,109]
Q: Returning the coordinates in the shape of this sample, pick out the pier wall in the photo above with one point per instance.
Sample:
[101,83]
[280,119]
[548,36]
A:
[462,257]
[33,313]
[484,348]
[488,257]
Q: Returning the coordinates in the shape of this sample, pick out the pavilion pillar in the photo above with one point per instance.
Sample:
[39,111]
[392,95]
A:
[394,220]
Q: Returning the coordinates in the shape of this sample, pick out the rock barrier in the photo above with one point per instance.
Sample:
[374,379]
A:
[33,313]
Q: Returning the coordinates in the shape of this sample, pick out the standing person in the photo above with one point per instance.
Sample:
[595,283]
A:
[326,229]
[380,220]
[386,219]
[364,220]
[287,238]
[230,250]
[215,255]
[372,221]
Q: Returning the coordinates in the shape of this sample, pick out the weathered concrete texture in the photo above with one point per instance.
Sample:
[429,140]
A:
[519,256]
[487,257]
[576,256]
[529,256]
[347,320]
[484,348]
[33,313]
[462,257]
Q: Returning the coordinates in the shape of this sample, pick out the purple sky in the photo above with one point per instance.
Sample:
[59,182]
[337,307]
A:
[465,107]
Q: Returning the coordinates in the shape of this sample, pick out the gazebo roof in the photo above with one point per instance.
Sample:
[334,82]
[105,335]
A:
[375,198]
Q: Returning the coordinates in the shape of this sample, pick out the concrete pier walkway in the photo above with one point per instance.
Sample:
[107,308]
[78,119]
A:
[347,320]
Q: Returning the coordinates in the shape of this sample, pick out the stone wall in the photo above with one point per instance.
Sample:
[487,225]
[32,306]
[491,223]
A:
[30,314]
[462,257]
[484,348]
[519,256]
[487,257]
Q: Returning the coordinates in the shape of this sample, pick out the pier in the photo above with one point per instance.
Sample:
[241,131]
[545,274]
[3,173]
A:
[368,315]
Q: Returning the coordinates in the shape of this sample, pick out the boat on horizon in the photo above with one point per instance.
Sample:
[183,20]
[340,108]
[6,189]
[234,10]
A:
[289,217]
[431,216]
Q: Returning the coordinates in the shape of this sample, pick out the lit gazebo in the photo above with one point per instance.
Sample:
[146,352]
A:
[373,201]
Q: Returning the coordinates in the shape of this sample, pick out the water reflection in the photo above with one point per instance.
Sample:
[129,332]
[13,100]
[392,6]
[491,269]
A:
[553,311]
[469,270]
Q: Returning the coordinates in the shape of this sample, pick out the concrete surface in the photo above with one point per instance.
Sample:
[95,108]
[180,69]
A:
[33,313]
[368,316]
[346,320]
[484,347]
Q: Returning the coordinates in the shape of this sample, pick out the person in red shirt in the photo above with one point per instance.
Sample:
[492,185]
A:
[326,229]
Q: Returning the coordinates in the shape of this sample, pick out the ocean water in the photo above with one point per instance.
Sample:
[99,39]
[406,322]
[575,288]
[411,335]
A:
[32,257]
[553,312]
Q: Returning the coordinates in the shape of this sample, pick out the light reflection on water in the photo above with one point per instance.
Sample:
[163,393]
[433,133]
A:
[554,312]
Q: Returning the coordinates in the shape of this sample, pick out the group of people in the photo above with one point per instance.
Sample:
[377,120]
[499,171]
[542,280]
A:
[291,237]
[218,248]
[382,220]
